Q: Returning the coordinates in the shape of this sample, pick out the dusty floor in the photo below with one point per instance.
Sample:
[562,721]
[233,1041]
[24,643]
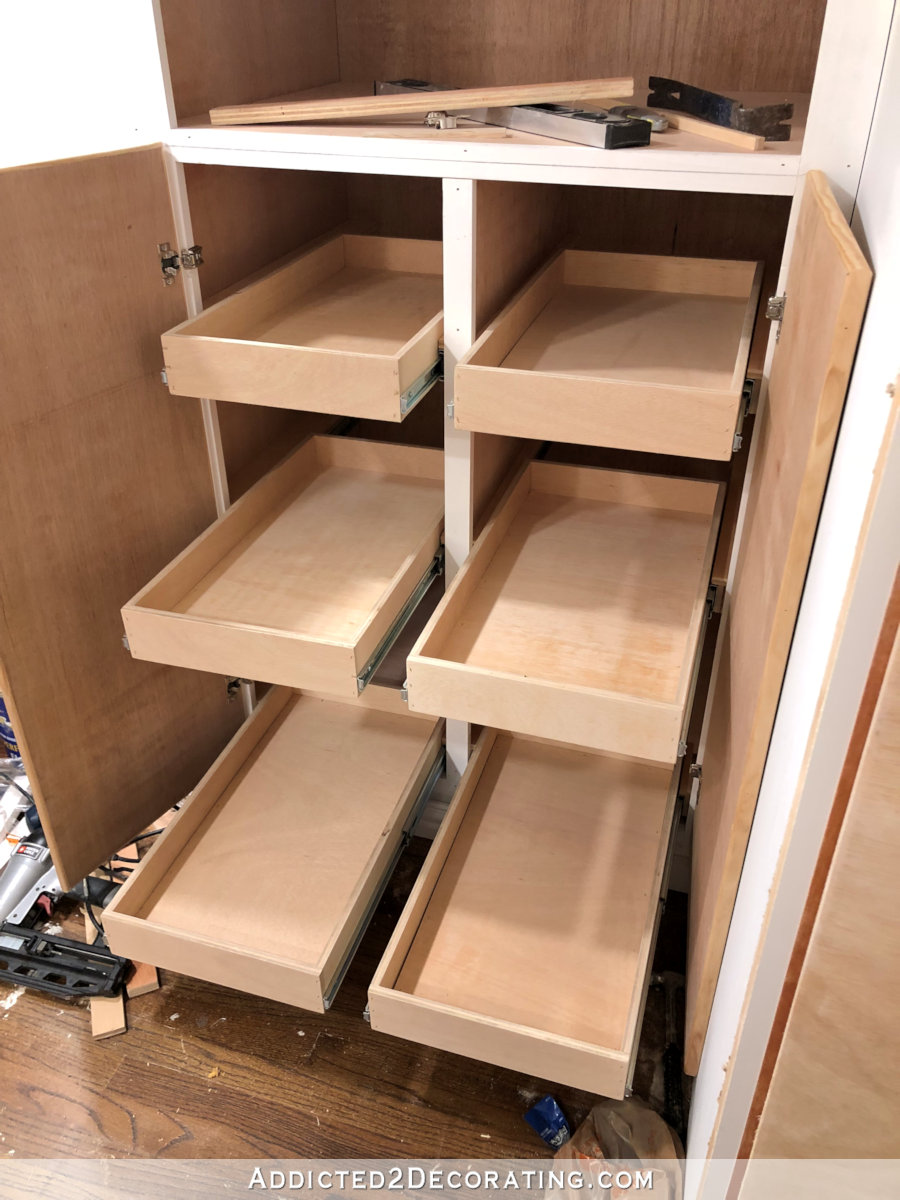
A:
[205,1072]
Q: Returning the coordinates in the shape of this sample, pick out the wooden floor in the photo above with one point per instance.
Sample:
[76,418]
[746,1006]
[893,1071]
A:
[204,1072]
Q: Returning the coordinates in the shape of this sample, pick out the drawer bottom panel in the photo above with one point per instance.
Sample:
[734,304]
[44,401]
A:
[264,879]
[528,938]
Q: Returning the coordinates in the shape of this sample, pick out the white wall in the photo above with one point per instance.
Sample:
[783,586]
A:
[78,77]
[829,661]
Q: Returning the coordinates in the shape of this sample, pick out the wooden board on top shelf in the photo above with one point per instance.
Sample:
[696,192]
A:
[351,108]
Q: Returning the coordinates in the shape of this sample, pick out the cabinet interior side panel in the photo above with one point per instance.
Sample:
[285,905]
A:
[237,51]
[105,478]
[246,219]
[518,227]
[394,206]
[765,46]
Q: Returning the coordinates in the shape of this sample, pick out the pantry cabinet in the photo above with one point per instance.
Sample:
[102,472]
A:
[533,366]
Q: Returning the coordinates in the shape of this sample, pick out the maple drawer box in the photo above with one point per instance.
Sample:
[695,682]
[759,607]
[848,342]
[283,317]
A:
[632,351]
[306,579]
[268,875]
[528,937]
[351,326]
[578,614]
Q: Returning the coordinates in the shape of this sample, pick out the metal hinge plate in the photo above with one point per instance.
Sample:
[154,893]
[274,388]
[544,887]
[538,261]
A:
[171,261]
[712,597]
[775,311]
[695,771]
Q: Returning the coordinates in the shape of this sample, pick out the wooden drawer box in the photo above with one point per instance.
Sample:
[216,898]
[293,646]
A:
[351,326]
[528,937]
[303,579]
[624,350]
[577,616]
[268,874]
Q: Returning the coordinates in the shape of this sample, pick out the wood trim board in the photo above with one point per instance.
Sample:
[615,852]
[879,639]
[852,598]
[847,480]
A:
[534,829]
[353,108]
[345,327]
[639,352]
[794,434]
[262,880]
[300,580]
[577,616]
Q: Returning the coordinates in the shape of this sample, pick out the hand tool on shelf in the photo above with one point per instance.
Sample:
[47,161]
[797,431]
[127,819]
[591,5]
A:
[568,123]
[659,122]
[766,120]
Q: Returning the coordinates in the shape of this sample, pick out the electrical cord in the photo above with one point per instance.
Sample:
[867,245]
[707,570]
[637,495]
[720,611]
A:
[89,909]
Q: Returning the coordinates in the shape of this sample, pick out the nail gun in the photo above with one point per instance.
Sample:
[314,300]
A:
[29,887]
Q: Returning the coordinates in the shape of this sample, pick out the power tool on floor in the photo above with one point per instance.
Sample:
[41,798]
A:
[29,888]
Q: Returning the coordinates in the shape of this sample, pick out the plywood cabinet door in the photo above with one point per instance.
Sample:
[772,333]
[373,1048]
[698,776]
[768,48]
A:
[827,286]
[105,477]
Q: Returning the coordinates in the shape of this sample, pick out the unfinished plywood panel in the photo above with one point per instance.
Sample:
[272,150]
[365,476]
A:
[534,831]
[307,807]
[636,351]
[394,206]
[835,1090]
[104,477]
[303,578]
[577,616]
[351,325]
[827,288]
[251,49]
[764,46]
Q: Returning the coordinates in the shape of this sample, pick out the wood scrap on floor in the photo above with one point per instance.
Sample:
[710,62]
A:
[144,978]
[107,1012]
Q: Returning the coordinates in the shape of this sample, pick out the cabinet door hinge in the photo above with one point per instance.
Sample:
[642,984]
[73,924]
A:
[775,311]
[171,261]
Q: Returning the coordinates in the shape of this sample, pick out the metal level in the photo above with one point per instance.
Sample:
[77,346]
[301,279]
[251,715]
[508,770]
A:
[586,126]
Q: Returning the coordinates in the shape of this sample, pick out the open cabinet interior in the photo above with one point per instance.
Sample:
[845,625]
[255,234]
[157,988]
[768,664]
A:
[256,51]
[588,499]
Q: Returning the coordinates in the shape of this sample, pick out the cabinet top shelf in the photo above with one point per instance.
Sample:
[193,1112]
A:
[675,160]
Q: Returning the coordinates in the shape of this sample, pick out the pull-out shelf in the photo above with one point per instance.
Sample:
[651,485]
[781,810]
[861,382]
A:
[304,580]
[528,937]
[631,351]
[578,614]
[266,878]
[351,327]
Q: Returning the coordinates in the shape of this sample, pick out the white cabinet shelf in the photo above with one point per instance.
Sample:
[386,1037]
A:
[675,160]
